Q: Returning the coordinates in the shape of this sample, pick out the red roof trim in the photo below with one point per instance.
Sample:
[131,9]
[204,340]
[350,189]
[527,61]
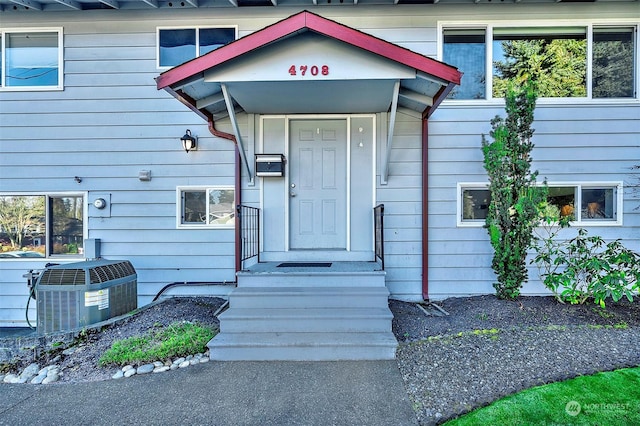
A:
[308,21]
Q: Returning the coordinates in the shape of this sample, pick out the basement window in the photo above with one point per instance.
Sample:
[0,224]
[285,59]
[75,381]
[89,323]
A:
[208,207]
[583,203]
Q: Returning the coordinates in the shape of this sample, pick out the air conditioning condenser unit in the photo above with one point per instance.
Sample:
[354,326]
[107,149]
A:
[74,295]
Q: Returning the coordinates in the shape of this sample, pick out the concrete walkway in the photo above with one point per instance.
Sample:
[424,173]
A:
[223,393]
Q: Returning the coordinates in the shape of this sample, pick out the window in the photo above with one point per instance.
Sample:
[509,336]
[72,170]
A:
[466,49]
[555,57]
[212,207]
[599,204]
[31,59]
[41,225]
[568,62]
[475,204]
[613,69]
[176,46]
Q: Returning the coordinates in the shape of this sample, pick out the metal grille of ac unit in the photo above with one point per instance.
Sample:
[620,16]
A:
[63,277]
[65,302]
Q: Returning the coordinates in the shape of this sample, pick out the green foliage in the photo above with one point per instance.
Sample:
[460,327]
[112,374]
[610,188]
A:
[513,210]
[557,66]
[585,267]
[178,339]
[610,398]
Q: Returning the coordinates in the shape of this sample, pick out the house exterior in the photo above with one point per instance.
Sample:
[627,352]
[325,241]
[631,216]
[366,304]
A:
[312,113]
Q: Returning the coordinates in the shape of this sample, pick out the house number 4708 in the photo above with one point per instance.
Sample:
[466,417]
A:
[314,70]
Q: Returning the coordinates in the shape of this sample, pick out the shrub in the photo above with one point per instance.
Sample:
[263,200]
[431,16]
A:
[585,267]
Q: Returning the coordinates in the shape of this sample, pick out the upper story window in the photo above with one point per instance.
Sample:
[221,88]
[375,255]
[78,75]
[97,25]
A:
[39,226]
[178,45]
[584,203]
[589,61]
[465,48]
[31,59]
[208,207]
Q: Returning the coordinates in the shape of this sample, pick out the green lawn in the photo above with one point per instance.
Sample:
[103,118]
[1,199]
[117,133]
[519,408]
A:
[611,398]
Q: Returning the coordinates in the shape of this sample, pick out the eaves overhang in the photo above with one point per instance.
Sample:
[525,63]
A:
[309,64]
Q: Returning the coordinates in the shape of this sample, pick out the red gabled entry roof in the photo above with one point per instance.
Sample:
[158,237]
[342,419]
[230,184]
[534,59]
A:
[186,81]
[309,21]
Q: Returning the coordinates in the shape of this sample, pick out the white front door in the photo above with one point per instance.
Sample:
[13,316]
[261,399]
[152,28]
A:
[318,185]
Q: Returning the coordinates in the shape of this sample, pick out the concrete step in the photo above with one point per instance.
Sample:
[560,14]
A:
[291,320]
[309,297]
[311,279]
[302,346]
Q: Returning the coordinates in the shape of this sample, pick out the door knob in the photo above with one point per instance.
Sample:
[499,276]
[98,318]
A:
[292,194]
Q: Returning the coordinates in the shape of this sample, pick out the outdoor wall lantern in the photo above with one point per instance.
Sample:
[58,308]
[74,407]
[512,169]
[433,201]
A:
[189,143]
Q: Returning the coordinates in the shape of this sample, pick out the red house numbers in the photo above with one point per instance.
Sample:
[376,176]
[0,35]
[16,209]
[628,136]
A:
[314,70]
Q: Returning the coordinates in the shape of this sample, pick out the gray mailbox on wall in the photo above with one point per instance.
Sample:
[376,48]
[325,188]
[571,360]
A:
[271,165]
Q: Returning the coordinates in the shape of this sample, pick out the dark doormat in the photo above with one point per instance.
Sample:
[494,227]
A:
[305,265]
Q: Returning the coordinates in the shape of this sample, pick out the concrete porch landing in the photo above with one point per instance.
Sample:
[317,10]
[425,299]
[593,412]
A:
[304,313]
[336,267]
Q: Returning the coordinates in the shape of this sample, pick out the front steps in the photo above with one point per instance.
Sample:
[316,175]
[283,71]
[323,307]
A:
[306,316]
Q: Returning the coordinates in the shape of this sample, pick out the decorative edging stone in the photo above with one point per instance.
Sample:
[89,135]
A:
[161,367]
[35,375]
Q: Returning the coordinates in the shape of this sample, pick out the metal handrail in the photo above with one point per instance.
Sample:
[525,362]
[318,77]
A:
[378,232]
[249,218]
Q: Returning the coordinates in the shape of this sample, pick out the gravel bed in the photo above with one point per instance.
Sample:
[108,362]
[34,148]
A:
[486,349]
[482,350]
[80,362]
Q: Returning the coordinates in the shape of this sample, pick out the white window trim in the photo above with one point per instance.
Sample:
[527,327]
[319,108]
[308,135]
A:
[188,27]
[85,224]
[206,188]
[617,185]
[489,25]
[59,86]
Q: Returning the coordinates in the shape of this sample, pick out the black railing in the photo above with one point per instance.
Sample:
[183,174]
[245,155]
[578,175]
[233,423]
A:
[249,218]
[378,225]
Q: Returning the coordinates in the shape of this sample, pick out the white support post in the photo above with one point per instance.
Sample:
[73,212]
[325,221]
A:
[236,130]
[392,123]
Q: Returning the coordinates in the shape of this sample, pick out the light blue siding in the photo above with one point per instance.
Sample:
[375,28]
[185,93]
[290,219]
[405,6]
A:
[110,122]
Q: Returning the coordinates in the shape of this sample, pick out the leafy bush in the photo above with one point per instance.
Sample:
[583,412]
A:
[585,267]
[178,339]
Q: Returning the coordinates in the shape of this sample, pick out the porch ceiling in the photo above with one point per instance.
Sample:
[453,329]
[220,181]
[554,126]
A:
[347,71]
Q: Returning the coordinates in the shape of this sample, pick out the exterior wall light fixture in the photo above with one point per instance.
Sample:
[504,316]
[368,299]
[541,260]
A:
[189,143]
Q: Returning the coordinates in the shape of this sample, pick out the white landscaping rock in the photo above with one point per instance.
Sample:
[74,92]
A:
[119,375]
[130,372]
[39,378]
[29,373]
[11,378]
[50,378]
[144,369]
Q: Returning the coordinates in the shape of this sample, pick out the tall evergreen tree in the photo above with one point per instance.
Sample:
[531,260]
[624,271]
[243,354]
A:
[515,197]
